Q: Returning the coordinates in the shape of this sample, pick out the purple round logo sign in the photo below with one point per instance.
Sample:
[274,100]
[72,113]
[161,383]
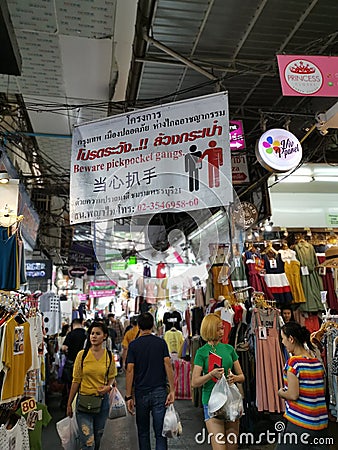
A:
[278,150]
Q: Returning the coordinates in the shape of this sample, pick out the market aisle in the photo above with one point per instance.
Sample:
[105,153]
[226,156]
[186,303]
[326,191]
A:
[121,434]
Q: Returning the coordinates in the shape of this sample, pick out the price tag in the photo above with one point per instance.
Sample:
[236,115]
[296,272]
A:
[262,272]
[32,419]
[262,334]
[304,270]
[28,405]
[273,263]
[237,262]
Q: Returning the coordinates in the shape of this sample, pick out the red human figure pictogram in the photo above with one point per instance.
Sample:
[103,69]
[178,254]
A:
[215,160]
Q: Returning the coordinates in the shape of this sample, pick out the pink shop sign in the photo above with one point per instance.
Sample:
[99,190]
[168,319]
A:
[307,75]
[237,141]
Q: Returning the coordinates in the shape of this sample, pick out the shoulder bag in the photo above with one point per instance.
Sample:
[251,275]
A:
[91,404]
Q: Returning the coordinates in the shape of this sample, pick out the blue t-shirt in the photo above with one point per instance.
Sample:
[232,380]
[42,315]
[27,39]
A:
[147,353]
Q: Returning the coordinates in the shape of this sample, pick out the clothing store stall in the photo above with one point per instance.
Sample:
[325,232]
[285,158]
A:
[22,349]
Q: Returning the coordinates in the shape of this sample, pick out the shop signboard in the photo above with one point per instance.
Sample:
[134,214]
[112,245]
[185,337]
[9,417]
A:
[102,293]
[332,217]
[170,157]
[102,288]
[246,214]
[237,141]
[77,272]
[240,172]
[308,75]
[41,268]
[278,150]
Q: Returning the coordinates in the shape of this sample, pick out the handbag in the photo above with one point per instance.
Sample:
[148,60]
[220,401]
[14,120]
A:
[89,403]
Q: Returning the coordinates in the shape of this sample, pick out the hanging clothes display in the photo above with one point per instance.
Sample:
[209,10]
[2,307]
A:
[238,275]
[221,280]
[269,360]
[276,279]
[15,438]
[161,271]
[50,307]
[172,319]
[328,285]
[147,271]
[37,419]
[174,339]
[292,272]
[311,282]
[9,269]
[16,357]
[255,269]
[150,287]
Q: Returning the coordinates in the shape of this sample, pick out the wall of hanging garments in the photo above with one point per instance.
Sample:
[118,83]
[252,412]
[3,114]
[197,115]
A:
[12,261]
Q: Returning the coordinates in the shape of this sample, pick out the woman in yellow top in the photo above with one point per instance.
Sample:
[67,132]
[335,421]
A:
[94,374]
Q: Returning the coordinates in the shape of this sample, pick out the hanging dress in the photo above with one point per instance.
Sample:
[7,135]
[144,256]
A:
[312,284]
[238,275]
[221,281]
[269,361]
[276,279]
[292,272]
[255,265]
[9,260]
[328,282]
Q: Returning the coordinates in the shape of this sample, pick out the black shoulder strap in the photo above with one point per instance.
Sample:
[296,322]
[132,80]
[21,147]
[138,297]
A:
[110,360]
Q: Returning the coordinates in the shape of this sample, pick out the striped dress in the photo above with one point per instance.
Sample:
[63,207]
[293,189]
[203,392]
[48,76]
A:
[309,410]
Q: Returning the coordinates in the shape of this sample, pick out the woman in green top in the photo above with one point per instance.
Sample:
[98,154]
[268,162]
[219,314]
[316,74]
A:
[212,332]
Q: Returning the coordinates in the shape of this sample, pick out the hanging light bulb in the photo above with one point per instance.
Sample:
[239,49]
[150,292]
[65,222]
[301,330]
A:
[4,178]
[268,227]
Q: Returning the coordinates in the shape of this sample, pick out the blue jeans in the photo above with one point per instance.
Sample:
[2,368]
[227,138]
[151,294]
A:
[151,401]
[91,426]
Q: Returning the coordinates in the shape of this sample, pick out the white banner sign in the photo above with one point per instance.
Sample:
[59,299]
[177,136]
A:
[172,157]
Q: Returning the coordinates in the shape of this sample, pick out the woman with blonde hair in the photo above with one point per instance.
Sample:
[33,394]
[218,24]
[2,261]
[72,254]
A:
[212,332]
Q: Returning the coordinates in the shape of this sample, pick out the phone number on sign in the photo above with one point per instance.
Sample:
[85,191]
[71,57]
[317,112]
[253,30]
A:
[154,206]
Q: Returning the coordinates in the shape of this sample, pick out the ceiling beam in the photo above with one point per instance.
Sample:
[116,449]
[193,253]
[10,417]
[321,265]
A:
[198,37]
[179,57]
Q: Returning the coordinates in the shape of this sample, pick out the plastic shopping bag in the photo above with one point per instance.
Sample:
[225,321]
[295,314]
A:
[225,401]
[117,405]
[234,404]
[172,426]
[69,433]
[218,397]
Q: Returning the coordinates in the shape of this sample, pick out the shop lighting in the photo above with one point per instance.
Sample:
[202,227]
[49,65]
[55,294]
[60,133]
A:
[215,218]
[329,171]
[326,179]
[268,227]
[4,178]
[295,179]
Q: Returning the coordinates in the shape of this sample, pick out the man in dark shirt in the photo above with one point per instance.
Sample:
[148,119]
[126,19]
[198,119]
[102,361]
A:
[149,368]
[73,343]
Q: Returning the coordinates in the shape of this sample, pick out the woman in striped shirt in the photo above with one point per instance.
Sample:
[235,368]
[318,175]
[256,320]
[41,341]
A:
[304,392]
